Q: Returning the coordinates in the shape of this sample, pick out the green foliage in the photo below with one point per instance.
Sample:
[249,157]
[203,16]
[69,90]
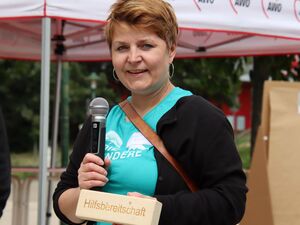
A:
[214,79]
[284,67]
[81,92]
[19,97]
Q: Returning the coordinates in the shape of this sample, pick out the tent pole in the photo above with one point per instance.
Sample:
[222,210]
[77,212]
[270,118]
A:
[44,119]
[54,135]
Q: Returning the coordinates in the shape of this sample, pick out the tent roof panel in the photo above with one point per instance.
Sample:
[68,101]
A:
[207,28]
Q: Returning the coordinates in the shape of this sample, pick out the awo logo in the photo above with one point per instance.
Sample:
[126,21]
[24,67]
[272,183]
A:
[200,3]
[236,4]
[269,7]
[297,9]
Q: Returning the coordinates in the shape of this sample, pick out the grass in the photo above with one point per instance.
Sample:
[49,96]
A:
[243,145]
[31,159]
[28,159]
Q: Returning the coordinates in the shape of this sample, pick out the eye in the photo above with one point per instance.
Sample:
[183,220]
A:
[146,46]
[121,48]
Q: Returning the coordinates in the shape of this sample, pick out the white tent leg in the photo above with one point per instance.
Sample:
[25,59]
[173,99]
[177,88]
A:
[54,136]
[44,119]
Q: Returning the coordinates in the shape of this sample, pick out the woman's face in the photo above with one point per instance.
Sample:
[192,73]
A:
[141,59]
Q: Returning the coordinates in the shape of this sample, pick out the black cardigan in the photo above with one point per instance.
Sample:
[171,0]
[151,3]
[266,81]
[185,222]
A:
[200,137]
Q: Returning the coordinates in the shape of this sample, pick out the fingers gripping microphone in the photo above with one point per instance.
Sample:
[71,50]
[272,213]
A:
[99,108]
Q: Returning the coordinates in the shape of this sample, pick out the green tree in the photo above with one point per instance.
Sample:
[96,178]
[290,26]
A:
[215,79]
[19,97]
[80,91]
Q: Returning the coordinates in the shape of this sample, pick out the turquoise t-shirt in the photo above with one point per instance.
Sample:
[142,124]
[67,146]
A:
[133,166]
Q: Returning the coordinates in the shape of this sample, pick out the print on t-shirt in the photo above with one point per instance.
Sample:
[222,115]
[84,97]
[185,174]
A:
[134,146]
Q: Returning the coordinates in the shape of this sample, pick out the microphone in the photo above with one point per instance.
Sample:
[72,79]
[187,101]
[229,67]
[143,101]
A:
[98,108]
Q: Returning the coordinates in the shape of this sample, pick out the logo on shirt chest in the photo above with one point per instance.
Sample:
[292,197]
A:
[135,146]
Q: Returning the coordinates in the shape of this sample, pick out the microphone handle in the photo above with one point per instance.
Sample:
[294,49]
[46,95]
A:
[98,138]
[102,142]
[98,147]
[98,142]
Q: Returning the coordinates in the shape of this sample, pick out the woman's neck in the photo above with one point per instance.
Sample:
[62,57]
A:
[144,103]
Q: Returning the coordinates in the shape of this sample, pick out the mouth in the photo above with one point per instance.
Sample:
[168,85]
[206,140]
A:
[136,72]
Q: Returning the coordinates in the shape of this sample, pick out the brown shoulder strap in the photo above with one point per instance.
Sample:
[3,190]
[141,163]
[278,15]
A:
[139,123]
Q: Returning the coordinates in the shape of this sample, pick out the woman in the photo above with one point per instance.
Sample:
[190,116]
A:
[142,38]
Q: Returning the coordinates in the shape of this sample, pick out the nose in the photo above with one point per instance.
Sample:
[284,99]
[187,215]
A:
[134,55]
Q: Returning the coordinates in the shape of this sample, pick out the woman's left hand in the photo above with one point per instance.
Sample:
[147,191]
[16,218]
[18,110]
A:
[137,194]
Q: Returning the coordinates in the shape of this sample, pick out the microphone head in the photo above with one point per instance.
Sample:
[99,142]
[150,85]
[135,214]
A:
[99,106]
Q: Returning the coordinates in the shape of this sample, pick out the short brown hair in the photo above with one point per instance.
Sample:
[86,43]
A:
[155,15]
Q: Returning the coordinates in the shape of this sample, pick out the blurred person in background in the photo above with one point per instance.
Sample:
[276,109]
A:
[5,166]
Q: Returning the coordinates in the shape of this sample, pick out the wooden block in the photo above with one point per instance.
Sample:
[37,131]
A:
[113,208]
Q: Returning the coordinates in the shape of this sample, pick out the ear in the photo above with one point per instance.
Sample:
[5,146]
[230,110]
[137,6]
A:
[172,53]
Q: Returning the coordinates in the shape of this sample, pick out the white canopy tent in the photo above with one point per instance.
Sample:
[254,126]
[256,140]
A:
[209,28]
[35,29]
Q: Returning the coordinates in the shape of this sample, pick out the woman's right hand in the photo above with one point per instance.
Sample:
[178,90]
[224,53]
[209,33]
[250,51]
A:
[92,171]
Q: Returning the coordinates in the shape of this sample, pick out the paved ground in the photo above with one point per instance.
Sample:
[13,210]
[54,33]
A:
[6,219]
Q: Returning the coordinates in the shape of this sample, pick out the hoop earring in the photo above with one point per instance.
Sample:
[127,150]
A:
[115,76]
[172,70]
